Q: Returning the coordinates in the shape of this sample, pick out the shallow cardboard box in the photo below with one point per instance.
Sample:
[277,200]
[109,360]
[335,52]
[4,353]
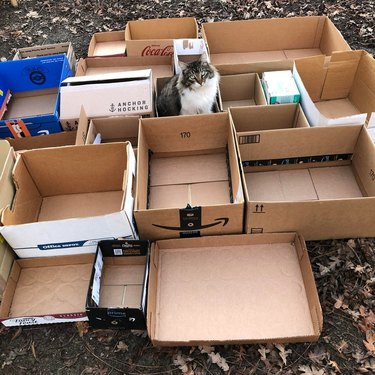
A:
[338,92]
[6,261]
[242,46]
[34,85]
[110,94]
[265,117]
[49,50]
[118,286]
[188,181]
[318,181]
[109,43]
[232,289]
[188,50]
[241,90]
[154,37]
[68,198]
[47,290]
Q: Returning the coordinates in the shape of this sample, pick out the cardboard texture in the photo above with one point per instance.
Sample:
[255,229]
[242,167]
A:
[89,199]
[326,172]
[154,37]
[118,286]
[34,87]
[243,46]
[109,43]
[339,92]
[188,179]
[241,90]
[6,261]
[188,50]
[46,290]
[232,289]
[264,117]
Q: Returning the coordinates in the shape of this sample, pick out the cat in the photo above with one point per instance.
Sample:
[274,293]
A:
[191,92]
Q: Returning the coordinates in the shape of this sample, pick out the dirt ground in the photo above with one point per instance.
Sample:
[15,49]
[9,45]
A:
[343,269]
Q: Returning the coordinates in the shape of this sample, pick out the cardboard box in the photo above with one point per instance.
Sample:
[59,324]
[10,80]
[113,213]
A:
[6,261]
[34,86]
[111,94]
[188,181]
[118,285]
[318,181]
[68,198]
[256,45]
[241,90]
[188,50]
[338,92]
[265,117]
[231,290]
[154,37]
[109,43]
[47,290]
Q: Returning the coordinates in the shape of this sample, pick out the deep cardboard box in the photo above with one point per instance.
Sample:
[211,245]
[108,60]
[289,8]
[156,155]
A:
[47,290]
[318,181]
[188,181]
[232,289]
[118,287]
[340,91]
[250,45]
[68,198]
[109,43]
[154,37]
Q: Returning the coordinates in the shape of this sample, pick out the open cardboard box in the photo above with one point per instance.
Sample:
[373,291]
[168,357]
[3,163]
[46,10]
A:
[109,43]
[265,117]
[47,290]
[33,84]
[318,181]
[242,46]
[232,289]
[188,50]
[154,37]
[338,92]
[68,198]
[118,287]
[241,90]
[110,94]
[188,181]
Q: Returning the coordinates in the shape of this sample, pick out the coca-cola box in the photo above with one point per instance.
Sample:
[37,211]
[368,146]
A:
[155,37]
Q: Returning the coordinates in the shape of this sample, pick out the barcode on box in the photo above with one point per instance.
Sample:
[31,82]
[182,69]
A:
[117,251]
[246,139]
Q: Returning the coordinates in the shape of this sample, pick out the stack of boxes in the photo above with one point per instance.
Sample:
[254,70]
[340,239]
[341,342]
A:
[209,221]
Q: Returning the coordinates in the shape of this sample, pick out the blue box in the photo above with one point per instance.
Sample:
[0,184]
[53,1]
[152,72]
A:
[33,84]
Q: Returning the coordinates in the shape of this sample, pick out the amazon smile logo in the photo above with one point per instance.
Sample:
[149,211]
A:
[221,220]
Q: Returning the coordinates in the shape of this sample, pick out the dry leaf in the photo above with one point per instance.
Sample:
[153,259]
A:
[219,360]
[82,327]
[370,340]
[342,346]
[121,347]
[334,365]
[310,370]
[282,352]
[263,352]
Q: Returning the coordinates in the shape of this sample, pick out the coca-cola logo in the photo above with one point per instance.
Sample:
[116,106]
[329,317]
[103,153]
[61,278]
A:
[157,50]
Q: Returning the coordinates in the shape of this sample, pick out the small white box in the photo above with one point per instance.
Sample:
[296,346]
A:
[187,50]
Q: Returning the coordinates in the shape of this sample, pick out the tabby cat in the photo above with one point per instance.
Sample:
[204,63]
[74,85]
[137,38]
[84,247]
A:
[191,92]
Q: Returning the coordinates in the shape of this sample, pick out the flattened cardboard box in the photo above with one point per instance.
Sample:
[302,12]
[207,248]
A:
[251,45]
[109,43]
[154,37]
[47,290]
[339,92]
[68,198]
[318,181]
[188,182]
[231,290]
[118,286]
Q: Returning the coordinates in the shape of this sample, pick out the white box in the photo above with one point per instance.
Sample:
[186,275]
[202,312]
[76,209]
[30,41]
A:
[187,50]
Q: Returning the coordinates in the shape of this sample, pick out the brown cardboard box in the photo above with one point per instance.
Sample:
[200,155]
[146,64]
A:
[340,91]
[6,261]
[188,180]
[109,43]
[241,90]
[265,117]
[47,290]
[318,181]
[232,289]
[256,45]
[154,37]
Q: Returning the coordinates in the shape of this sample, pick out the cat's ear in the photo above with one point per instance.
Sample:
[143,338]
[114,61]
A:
[183,65]
[204,57]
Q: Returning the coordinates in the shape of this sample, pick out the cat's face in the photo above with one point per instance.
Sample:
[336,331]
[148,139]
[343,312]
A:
[196,74]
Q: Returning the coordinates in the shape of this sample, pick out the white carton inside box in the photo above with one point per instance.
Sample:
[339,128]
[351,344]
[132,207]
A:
[188,50]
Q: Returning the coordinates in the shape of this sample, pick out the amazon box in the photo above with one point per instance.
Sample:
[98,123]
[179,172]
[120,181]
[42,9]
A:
[188,181]
[154,37]
[339,92]
[118,287]
[246,46]
[318,181]
[68,198]
[232,290]
[47,290]
[109,43]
